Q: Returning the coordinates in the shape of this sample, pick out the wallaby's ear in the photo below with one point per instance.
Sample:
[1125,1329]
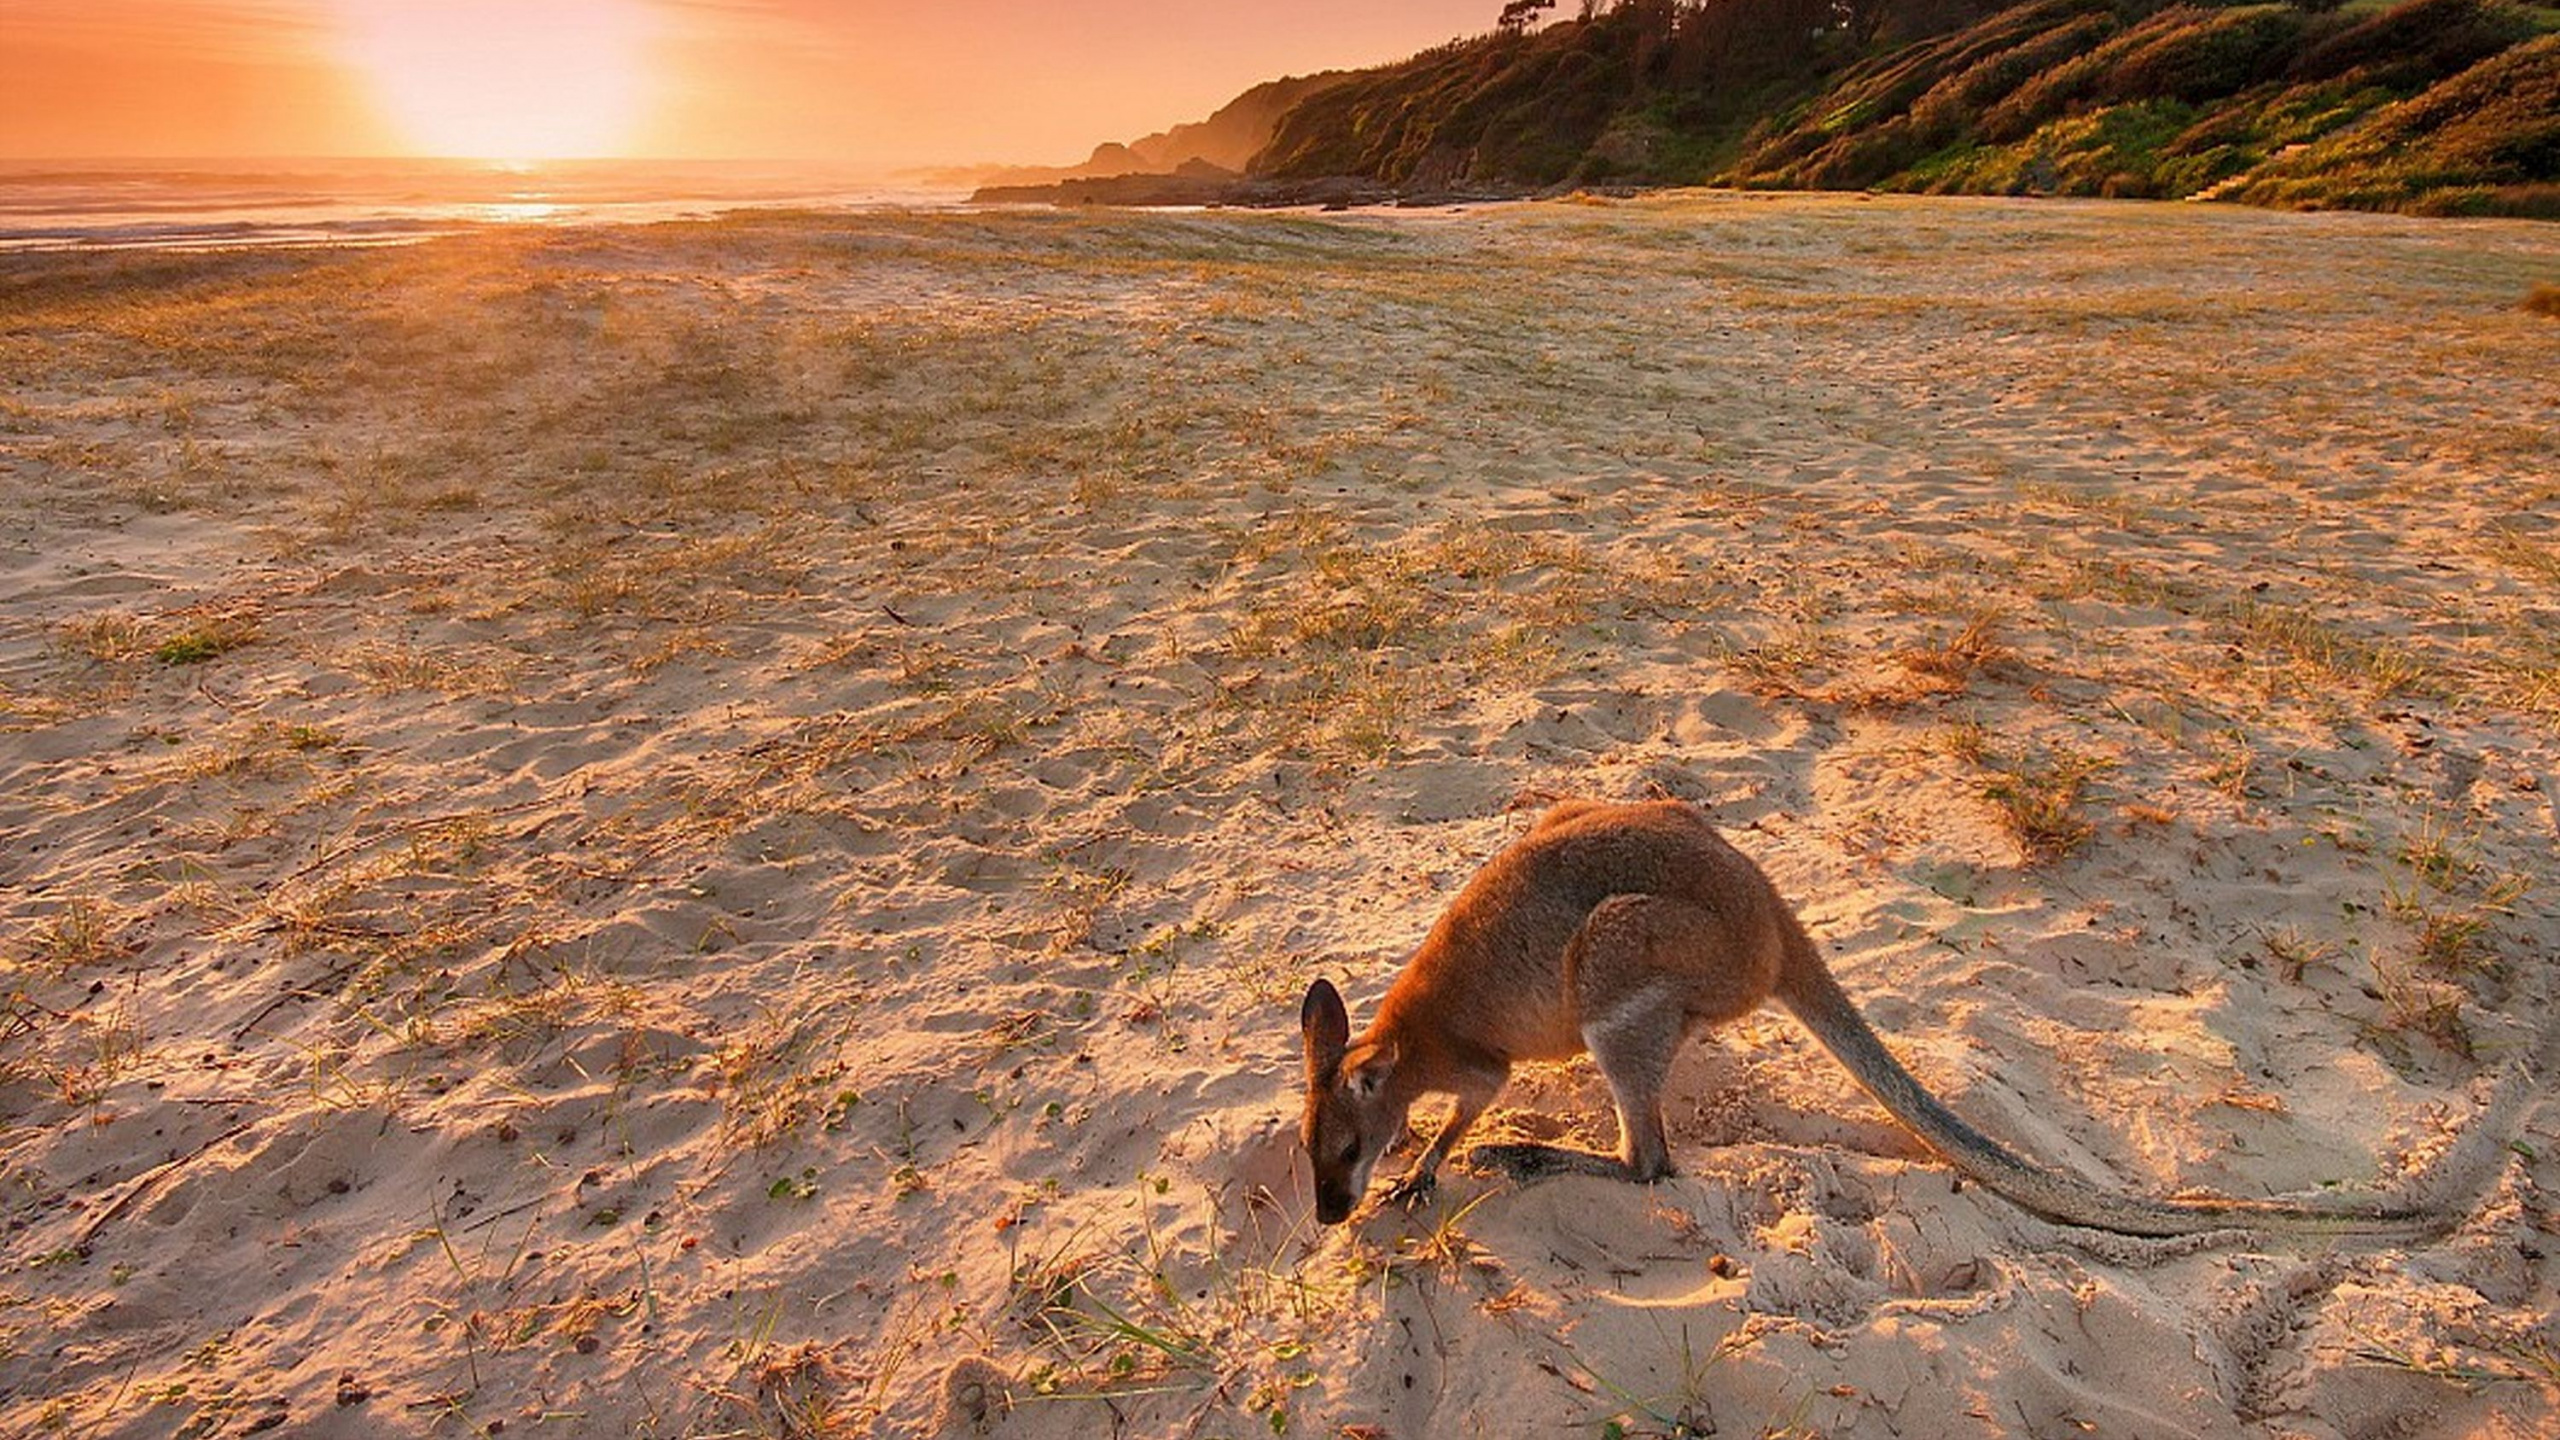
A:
[1326,1025]
[1367,1077]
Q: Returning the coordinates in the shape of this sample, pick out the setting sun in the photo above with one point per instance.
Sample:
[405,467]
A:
[503,79]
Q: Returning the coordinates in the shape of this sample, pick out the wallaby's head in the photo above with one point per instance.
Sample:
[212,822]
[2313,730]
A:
[1351,1114]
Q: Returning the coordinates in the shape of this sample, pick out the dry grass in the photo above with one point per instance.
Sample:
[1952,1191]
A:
[2039,790]
[817,725]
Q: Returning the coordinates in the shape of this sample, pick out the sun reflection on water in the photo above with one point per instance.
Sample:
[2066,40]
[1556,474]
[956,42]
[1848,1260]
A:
[517,212]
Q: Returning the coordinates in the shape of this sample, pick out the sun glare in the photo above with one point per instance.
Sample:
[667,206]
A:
[504,79]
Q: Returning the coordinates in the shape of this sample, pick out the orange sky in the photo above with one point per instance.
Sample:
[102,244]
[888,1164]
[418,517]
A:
[863,81]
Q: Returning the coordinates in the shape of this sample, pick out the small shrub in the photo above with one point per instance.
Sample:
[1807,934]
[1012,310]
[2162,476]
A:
[2201,56]
[2543,300]
[203,641]
[2413,45]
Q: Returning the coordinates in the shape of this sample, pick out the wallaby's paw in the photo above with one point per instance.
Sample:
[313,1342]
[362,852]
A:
[1412,1190]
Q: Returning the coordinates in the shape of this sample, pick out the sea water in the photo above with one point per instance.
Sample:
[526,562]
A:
[216,204]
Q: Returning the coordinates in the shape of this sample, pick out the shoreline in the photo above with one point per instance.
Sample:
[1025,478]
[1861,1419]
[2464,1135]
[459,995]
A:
[1250,193]
[54,208]
[1334,193]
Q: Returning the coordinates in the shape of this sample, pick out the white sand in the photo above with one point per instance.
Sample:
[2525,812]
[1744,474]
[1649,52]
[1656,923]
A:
[747,858]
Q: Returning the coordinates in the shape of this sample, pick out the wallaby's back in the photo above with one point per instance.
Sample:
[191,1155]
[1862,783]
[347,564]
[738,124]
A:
[1492,975]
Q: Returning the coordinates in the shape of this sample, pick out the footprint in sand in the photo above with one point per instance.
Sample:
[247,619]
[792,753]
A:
[1435,791]
[1853,1247]
[1596,719]
[1073,771]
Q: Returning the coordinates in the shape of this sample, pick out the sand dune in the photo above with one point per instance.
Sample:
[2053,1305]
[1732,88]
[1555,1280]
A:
[717,828]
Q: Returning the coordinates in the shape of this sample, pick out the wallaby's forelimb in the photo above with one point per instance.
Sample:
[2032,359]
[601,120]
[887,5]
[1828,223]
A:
[1477,1093]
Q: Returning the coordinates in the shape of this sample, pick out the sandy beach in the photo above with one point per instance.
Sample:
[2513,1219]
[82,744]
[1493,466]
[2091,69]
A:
[717,828]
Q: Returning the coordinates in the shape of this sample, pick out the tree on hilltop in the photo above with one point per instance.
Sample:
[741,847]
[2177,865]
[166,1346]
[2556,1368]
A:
[1517,14]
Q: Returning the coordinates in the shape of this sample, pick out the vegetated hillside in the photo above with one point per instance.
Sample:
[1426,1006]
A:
[2434,105]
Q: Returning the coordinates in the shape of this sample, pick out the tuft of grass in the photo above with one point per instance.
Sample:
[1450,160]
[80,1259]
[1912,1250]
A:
[2231,773]
[103,1050]
[2438,854]
[1938,668]
[2542,300]
[1338,652]
[782,1075]
[260,748]
[394,666]
[1164,1319]
[2321,656]
[205,639]
[2451,940]
[84,932]
[1444,1248]
[1678,1413]
[1976,646]
[799,1391]
[2451,899]
[1372,715]
[2517,550]
[1794,663]
[2295,953]
[107,638]
[2040,794]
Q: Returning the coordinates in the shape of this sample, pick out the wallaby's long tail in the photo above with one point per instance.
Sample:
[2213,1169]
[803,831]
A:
[1808,989]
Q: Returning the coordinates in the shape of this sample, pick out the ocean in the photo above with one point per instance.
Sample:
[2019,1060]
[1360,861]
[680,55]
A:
[195,205]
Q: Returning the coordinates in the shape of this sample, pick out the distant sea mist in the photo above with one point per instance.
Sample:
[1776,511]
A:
[95,204]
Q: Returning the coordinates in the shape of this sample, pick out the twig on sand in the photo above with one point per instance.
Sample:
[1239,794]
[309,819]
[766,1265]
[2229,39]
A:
[408,827]
[312,991]
[207,692]
[494,1216]
[144,1182]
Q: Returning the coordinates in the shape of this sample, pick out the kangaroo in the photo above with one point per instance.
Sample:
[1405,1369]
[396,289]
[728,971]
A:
[1624,930]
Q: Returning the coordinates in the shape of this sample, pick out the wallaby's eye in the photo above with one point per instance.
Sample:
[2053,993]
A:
[1351,1154]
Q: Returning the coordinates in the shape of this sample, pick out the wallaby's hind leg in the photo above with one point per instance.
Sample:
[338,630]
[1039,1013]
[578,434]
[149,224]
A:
[1642,972]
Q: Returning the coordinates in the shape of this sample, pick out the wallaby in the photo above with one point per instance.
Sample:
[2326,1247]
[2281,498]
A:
[1623,930]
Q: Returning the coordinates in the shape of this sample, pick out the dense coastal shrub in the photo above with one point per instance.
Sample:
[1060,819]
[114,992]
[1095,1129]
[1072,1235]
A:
[2486,142]
[2428,104]
[2206,54]
[2417,43]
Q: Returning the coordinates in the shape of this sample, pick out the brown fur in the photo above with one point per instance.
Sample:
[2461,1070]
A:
[1624,930]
